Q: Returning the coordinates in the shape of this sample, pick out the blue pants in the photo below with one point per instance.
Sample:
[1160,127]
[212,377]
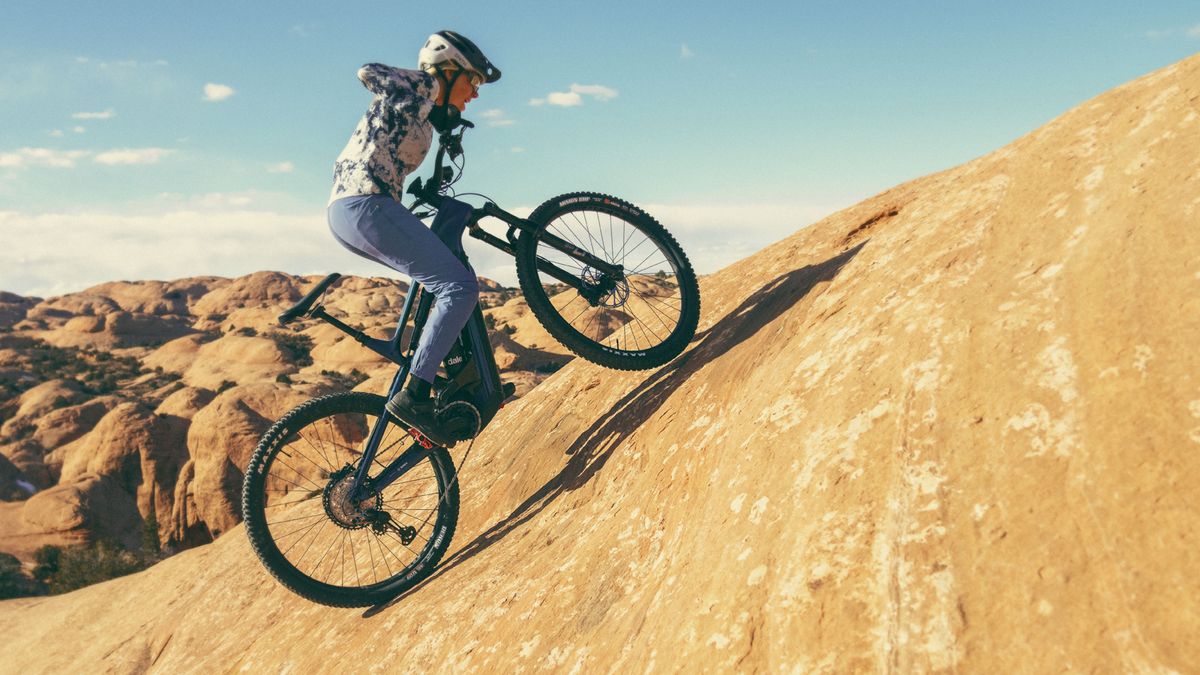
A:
[379,228]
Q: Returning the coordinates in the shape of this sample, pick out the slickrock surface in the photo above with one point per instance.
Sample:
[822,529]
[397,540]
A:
[953,428]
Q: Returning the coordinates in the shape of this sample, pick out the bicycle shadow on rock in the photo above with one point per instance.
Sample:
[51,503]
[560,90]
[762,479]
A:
[593,448]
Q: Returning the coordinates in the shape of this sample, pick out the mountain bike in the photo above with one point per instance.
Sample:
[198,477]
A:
[348,506]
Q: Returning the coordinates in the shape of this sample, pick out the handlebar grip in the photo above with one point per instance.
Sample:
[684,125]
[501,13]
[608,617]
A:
[302,307]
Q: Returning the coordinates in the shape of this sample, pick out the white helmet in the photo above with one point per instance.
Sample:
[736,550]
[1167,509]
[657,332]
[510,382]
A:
[449,49]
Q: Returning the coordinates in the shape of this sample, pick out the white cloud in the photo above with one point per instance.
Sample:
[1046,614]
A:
[230,234]
[176,240]
[79,130]
[57,133]
[516,149]
[281,167]
[1162,34]
[574,97]
[596,91]
[496,118]
[684,52]
[132,156]
[126,63]
[565,99]
[104,115]
[217,92]
[24,157]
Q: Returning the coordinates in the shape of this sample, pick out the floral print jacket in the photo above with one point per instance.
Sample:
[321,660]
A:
[392,138]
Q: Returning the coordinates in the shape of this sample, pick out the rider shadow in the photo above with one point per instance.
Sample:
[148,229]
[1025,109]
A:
[593,448]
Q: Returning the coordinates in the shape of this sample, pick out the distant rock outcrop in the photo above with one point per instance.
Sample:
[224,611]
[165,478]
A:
[221,439]
[13,308]
[161,389]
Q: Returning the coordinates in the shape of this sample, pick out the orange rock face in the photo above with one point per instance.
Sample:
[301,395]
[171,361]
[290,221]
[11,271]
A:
[953,428]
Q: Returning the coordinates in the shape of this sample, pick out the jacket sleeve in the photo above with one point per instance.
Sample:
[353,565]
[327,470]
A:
[397,83]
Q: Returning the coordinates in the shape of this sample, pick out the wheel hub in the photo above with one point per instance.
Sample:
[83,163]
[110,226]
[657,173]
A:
[601,289]
[341,509]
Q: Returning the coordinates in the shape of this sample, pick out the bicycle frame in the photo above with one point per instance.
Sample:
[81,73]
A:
[470,366]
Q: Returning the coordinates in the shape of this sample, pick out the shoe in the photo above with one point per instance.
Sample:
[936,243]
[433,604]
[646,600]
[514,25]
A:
[419,414]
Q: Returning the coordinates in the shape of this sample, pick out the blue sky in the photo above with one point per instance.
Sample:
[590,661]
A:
[736,125]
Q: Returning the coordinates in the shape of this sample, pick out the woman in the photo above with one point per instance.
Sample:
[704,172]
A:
[365,213]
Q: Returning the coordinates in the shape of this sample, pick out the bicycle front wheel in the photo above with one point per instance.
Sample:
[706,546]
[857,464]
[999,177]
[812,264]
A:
[316,540]
[640,319]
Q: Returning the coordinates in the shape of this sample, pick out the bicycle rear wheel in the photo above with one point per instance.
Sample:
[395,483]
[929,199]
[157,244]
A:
[313,538]
[642,319]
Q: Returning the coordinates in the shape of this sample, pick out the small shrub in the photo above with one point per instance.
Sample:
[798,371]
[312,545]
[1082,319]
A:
[13,581]
[151,543]
[284,378]
[61,402]
[248,331]
[22,430]
[47,558]
[489,321]
[346,380]
[297,345]
[226,384]
[509,329]
[68,569]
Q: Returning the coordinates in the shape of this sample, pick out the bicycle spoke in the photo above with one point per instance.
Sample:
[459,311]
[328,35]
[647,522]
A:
[374,576]
[301,455]
[298,486]
[292,520]
[410,498]
[572,321]
[573,239]
[382,556]
[333,434]
[319,449]
[612,238]
[310,544]
[659,314]
[573,299]
[644,271]
[354,559]
[317,567]
[587,231]
[304,529]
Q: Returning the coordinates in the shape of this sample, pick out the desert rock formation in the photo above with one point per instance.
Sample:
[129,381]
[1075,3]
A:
[162,388]
[952,428]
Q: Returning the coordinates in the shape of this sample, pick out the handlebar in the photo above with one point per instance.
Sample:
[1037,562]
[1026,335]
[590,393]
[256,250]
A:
[450,143]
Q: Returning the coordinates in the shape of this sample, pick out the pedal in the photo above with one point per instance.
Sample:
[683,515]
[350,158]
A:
[420,438]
